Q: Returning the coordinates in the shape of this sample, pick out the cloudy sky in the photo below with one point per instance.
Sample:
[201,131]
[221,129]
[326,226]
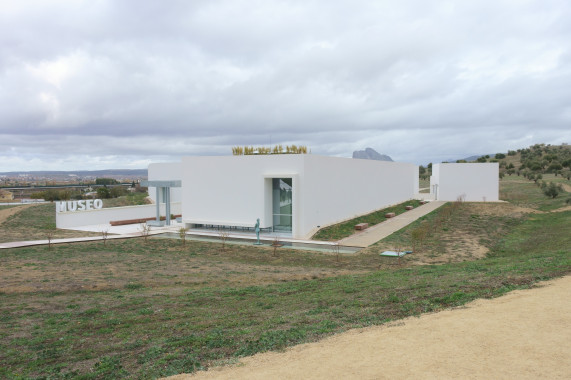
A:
[102,84]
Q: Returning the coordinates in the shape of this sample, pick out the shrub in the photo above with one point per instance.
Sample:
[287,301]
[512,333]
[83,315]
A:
[106,181]
[117,191]
[52,195]
[552,190]
[554,167]
[103,193]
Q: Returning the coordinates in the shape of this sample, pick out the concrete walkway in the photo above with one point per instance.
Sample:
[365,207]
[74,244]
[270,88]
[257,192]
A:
[382,230]
[30,243]
[115,232]
[360,239]
[134,231]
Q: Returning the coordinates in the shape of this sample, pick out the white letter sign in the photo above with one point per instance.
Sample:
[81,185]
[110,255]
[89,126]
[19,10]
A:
[82,205]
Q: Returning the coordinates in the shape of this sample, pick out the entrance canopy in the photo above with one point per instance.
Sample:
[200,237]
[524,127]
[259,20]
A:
[163,187]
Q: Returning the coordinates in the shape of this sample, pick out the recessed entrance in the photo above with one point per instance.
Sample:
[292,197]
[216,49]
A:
[282,204]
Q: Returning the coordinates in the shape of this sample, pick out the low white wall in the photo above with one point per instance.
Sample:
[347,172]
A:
[475,182]
[106,215]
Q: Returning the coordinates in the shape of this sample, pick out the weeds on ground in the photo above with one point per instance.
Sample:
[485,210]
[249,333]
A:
[145,231]
[453,232]
[147,329]
[104,230]
[223,235]
[530,195]
[30,223]
[182,235]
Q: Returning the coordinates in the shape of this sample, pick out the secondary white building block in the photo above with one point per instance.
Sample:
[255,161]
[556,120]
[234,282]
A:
[474,182]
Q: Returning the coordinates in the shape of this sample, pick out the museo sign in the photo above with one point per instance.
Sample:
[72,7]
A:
[83,205]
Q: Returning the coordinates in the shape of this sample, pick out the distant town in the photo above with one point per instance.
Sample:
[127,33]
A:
[22,185]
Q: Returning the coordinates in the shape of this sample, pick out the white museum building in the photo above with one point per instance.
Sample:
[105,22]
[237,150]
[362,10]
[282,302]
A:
[290,194]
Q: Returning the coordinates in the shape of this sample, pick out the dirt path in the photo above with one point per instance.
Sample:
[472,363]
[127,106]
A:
[6,213]
[523,335]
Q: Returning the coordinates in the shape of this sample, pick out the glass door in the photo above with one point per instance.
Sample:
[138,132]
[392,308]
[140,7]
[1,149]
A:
[282,204]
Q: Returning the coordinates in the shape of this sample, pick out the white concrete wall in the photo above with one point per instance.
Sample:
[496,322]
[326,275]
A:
[337,189]
[106,215]
[434,179]
[235,190]
[416,179]
[477,182]
[165,172]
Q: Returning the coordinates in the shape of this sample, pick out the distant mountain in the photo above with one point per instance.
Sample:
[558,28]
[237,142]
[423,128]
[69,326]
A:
[370,154]
[83,173]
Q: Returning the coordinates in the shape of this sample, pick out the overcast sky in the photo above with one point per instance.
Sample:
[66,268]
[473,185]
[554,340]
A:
[103,84]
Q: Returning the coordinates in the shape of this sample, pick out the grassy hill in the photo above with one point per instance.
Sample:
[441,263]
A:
[538,165]
[145,309]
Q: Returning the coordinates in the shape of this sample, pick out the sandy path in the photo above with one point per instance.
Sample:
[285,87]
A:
[6,213]
[523,335]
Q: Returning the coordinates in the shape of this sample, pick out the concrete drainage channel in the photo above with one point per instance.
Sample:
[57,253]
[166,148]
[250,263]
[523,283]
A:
[320,247]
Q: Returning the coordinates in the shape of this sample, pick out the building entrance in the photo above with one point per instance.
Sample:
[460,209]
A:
[282,202]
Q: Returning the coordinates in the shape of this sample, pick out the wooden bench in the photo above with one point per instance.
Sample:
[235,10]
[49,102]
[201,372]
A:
[390,215]
[361,226]
[408,208]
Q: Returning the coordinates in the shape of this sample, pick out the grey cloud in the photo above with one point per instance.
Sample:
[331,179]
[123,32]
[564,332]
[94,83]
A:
[133,77]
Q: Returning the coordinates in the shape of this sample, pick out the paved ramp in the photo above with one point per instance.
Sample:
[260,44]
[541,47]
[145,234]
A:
[382,230]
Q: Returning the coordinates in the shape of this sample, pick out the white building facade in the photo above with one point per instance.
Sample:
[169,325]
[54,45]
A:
[473,182]
[296,193]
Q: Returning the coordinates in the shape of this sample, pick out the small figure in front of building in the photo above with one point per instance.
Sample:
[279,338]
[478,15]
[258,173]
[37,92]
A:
[257,229]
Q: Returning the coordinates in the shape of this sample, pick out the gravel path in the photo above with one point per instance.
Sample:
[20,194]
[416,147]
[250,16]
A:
[523,335]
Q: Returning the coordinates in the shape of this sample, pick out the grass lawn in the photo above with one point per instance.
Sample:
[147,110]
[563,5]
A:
[131,199]
[347,228]
[455,232]
[4,207]
[33,223]
[133,310]
[130,309]
[525,193]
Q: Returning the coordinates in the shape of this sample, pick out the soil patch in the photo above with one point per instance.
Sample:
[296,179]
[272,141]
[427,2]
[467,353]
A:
[503,209]
[466,234]
[523,335]
[6,213]
[562,209]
